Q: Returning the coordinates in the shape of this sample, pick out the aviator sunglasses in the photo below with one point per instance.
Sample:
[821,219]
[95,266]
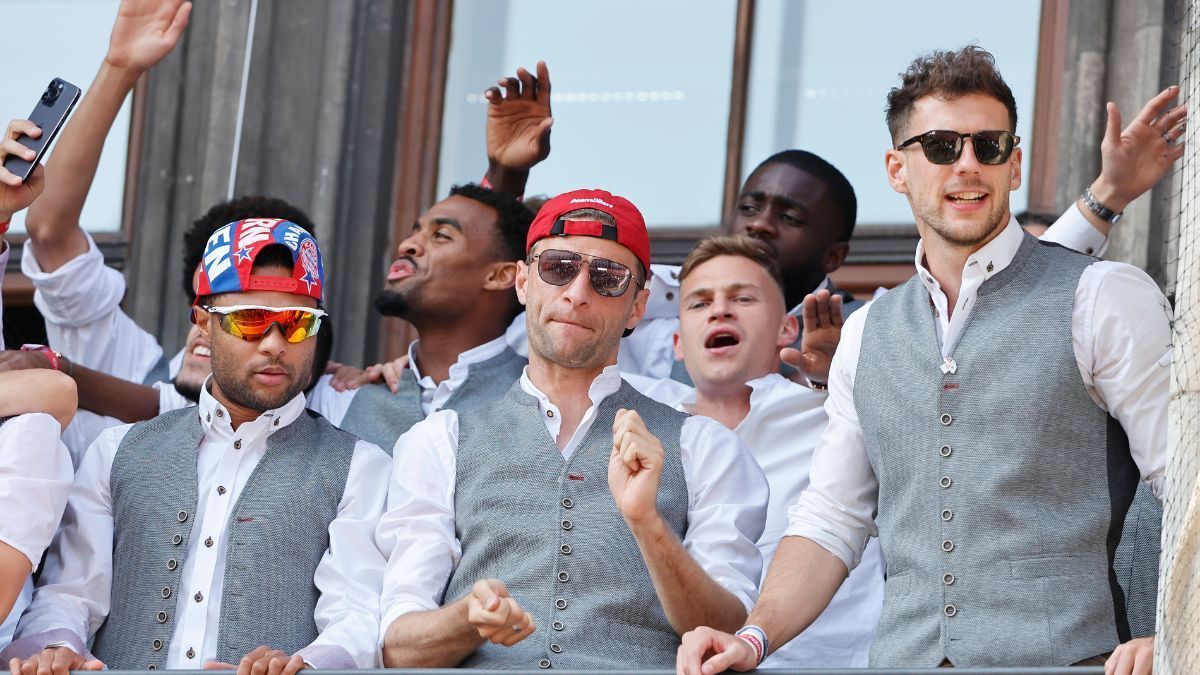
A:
[253,322]
[945,147]
[558,268]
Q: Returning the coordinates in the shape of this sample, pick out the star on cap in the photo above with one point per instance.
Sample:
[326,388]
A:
[242,254]
[309,280]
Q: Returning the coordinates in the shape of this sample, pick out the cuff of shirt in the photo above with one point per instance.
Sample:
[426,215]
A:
[28,645]
[83,290]
[836,547]
[395,611]
[327,657]
[1073,230]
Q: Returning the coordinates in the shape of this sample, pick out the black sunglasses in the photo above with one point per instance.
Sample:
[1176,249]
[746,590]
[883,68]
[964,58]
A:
[558,268]
[945,147]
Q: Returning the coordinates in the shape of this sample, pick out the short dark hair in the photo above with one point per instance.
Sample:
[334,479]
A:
[737,245]
[513,218]
[949,75]
[241,208]
[839,187]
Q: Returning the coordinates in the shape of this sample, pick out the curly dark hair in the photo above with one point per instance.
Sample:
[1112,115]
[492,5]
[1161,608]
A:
[838,187]
[513,218]
[241,208]
[948,74]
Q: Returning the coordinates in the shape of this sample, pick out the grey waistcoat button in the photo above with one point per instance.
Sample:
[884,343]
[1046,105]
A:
[156,645]
[151,667]
[946,482]
[946,451]
[947,546]
[560,603]
[557,625]
[567,503]
[166,591]
[544,663]
[177,539]
[172,564]
[564,577]
[566,524]
[951,610]
[565,548]
[946,419]
[948,579]
[947,515]
[182,517]
[555,648]
[162,617]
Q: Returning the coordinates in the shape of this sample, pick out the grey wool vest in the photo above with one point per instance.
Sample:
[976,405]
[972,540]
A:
[1003,487]
[549,529]
[277,533]
[378,416]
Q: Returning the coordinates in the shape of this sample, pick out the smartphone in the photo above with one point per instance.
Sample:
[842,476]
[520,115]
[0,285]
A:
[49,114]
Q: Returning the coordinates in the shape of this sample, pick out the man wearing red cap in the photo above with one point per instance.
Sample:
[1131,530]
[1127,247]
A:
[239,531]
[573,523]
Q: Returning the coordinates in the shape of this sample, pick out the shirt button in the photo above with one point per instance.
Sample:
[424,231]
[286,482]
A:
[946,419]
[565,549]
[946,451]
[182,516]
[220,413]
[151,667]
[220,489]
[172,564]
[208,542]
[162,617]
[166,591]
[557,625]
[951,610]
[237,445]
[567,503]
[555,648]
[670,295]
[1090,250]
[948,579]
[191,653]
[208,417]
[177,539]
[947,546]
[560,603]
[549,413]
[276,422]
[566,525]
[990,267]
[198,596]
[156,645]
[564,577]
[544,663]
[947,515]
[946,482]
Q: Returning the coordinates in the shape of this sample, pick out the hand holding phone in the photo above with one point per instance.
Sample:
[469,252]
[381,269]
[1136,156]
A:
[49,115]
[16,195]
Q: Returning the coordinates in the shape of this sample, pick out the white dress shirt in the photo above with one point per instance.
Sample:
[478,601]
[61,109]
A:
[333,404]
[649,351]
[35,479]
[781,430]
[1122,343]
[726,505]
[75,586]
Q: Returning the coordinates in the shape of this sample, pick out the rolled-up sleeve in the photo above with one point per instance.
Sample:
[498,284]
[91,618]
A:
[727,506]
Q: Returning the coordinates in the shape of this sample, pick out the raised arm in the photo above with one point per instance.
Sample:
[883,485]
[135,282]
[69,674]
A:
[144,33]
[518,128]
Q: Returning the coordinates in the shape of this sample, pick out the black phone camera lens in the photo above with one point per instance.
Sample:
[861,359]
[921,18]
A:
[52,92]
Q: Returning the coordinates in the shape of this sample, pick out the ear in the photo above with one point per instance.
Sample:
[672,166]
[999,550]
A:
[501,276]
[678,346]
[1015,162]
[893,161]
[834,256]
[521,283]
[639,308]
[789,332]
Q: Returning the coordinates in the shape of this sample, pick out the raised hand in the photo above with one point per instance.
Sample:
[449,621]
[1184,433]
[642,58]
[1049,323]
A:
[822,331]
[15,195]
[1134,159]
[498,617]
[518,120]
[146,31]
[634,468]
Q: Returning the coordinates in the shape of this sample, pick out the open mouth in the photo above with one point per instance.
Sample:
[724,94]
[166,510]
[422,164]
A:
[722,338]
[966,198]
[201,351]
[401,269]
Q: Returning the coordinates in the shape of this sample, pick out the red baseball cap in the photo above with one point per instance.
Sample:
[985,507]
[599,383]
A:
[630,231]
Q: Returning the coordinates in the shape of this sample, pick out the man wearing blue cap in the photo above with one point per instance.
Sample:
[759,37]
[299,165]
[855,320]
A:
[193,538]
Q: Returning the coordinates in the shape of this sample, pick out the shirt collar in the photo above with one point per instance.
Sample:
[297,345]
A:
[472,356]
[605,384]
[991,258]
[214,417]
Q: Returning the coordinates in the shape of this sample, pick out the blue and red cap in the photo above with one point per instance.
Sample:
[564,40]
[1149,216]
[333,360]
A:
[630,231]
[231,251]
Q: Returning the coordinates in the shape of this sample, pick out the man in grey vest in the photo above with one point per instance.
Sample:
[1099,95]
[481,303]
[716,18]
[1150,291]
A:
[998,519]
[239,531]
[573,523]
[454,282]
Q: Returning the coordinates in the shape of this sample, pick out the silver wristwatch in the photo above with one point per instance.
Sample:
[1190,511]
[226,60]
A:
[1099,209]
